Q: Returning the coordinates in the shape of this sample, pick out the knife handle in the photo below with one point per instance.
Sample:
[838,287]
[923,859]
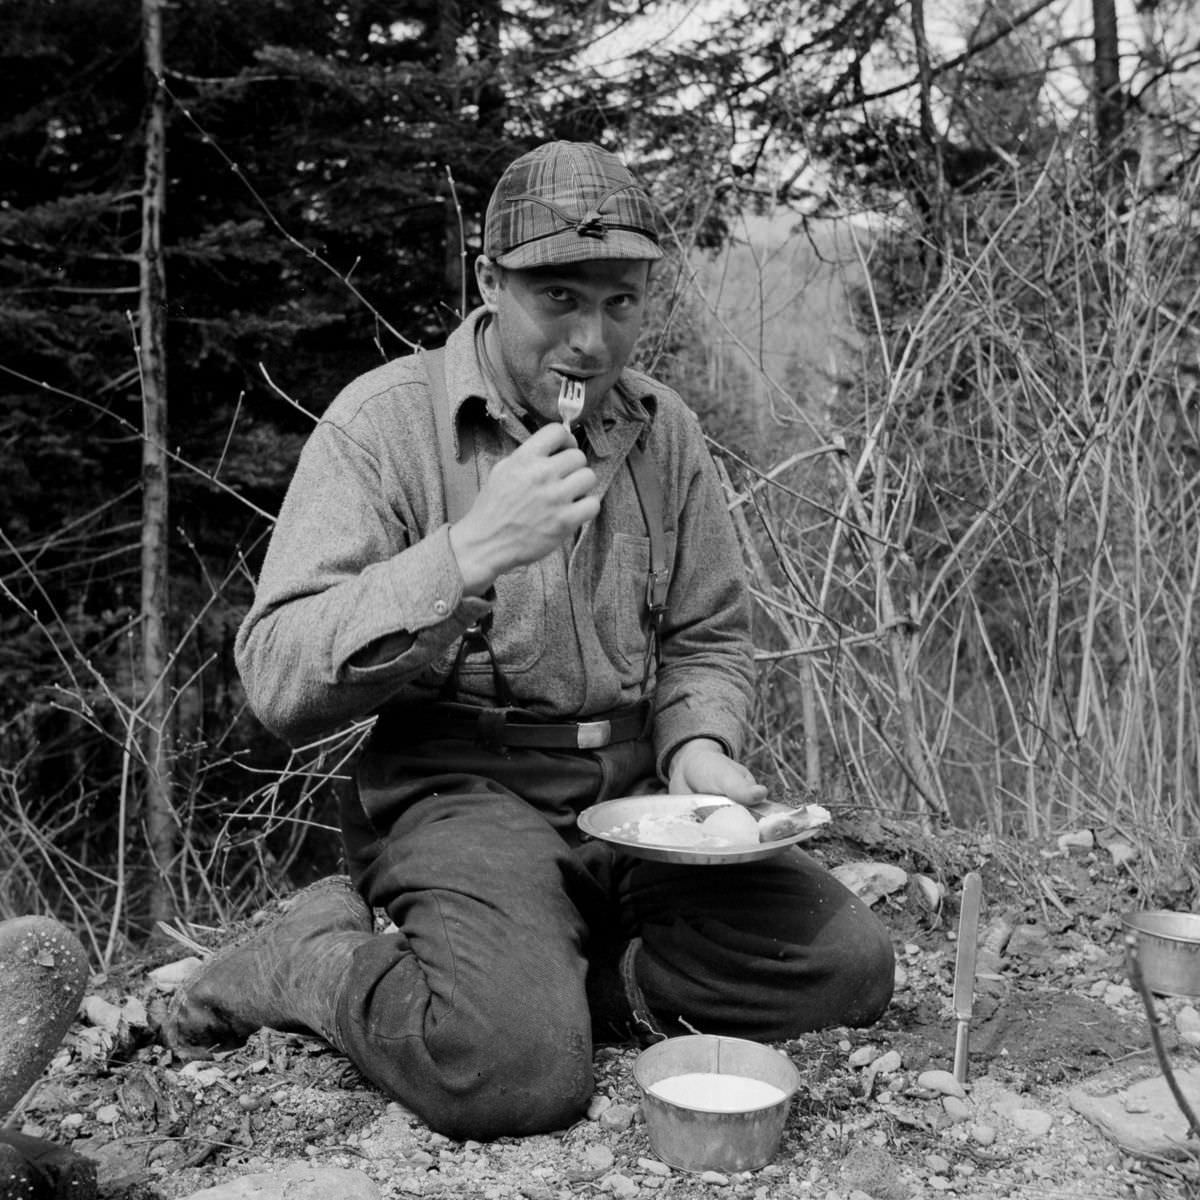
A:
[962,1035]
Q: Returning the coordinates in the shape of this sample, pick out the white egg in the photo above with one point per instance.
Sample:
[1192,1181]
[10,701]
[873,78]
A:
[732,822]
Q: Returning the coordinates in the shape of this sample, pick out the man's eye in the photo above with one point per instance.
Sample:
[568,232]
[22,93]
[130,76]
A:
[557,294]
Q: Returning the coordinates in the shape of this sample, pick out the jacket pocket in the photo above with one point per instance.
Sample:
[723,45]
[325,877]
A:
[622,619]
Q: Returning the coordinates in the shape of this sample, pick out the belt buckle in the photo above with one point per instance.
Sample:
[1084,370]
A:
[591,735]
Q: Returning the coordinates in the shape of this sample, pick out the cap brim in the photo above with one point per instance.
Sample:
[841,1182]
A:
[569,247]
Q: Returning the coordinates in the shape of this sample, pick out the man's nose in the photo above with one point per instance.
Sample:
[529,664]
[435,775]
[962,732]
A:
[587,333]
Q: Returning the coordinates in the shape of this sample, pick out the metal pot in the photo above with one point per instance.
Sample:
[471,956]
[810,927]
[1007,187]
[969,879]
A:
[1168,950]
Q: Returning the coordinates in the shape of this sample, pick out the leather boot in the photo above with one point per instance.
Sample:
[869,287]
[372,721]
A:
[43,970]
[33,1169]
[287,974]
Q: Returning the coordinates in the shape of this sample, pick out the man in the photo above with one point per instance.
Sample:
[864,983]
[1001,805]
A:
[543,618]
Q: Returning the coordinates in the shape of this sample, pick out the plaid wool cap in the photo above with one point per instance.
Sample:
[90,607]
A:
[565,202]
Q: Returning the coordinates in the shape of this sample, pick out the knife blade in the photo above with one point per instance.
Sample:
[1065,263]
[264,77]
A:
[964,969]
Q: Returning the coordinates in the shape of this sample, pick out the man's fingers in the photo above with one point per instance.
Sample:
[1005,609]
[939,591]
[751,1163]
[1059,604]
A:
[550,439]
[564,469]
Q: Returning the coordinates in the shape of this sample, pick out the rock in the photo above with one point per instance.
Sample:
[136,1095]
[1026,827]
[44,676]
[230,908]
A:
[1118,995]
[598,1103]
[653,1167]
[1120,851]
[888,1064]
[598,1158]
[873,1170]
[992,1098]
[116,1020]
[956,1109]
[102,1013]
[295,1181]
[1132,1105]
[619,1185]
[169,976]
[1187,1024]
[942,1082]
[928,891]
[1081,839]
[43,970]
[1029,941]
[863,1056]
[136,1016]
[1034,1121]
[199,1075]
[871,881]
[714,1177]
[617,1117]
[885,1064]
[982,1134]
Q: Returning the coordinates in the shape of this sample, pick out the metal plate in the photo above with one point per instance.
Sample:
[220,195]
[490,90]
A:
[602,820]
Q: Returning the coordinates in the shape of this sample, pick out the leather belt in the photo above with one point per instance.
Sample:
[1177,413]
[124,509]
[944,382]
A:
[503,727]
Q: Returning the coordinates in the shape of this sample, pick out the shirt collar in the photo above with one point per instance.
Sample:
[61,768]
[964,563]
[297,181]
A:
[631,401]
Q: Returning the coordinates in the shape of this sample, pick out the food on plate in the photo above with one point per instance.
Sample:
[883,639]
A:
[710,826]
[663,829]
[722,826]
[781,822]
[731,821]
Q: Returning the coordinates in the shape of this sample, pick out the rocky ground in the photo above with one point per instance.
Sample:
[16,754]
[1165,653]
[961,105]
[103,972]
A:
[1064,1096]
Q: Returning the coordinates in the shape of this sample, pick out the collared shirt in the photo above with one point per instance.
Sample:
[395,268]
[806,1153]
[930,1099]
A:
[360,601]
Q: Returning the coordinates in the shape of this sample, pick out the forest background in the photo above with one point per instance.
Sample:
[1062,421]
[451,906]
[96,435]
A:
[932,289]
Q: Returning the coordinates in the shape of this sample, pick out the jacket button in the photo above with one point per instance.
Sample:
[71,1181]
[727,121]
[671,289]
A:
[441,607]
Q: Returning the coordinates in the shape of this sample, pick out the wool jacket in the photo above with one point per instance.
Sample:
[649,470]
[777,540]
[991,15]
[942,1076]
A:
[360,600]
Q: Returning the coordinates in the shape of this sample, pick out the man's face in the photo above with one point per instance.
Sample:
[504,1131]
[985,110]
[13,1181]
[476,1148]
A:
[578,321]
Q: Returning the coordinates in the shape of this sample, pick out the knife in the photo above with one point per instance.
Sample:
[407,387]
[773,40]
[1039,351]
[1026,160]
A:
[964,970]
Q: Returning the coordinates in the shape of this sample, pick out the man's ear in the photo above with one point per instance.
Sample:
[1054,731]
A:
[488,276]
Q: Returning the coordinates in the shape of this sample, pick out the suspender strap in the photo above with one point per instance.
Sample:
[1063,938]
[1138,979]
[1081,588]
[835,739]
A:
[650,496]
[460,476]
[476,641]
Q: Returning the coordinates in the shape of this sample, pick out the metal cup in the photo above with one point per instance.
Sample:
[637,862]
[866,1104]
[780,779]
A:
[695,1139]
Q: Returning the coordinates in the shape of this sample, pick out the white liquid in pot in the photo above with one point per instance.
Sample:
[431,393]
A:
[717,1093]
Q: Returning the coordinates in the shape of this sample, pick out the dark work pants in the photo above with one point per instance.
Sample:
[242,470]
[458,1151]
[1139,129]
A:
[475,1013]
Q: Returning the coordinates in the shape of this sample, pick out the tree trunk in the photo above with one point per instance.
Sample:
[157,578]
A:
[454,264]
[1107,99]
[156,812]
[931,188]
[1151,121]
